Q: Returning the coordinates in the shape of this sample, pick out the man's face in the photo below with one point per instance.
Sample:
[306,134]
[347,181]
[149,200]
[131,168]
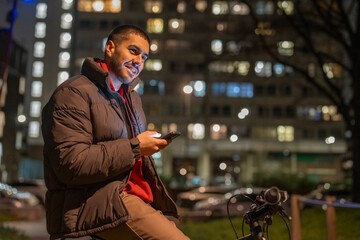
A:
[126,59]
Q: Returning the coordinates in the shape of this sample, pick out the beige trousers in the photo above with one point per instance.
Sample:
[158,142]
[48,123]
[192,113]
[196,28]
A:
[146,223]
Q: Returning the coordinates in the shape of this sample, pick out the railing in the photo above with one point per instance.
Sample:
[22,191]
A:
[330,214]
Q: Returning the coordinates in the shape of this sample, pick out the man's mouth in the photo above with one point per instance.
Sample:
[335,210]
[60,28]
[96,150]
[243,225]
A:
[133,69]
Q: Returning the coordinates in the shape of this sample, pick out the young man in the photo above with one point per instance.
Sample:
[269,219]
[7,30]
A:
[100,176]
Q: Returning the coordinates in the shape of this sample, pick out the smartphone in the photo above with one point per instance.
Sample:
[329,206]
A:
[171,135]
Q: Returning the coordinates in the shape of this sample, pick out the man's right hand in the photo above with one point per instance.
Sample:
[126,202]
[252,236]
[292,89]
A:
[150,145]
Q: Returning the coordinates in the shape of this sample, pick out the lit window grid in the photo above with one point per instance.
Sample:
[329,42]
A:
[111,6]
[38,69]
[218,131]
[285,133]
[153,6]
[196,131]
[39,49]
[40,30]
[36,88]
[220,8]
[201,5]
[34,129]
[41,10]
[35,109]
[62,77]
[176,25]
[66,4]
[155,25]
[65,40]
[153,65]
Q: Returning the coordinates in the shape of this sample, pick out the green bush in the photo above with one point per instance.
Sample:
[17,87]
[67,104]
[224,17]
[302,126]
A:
[291,182]
[11,234]
[313,226]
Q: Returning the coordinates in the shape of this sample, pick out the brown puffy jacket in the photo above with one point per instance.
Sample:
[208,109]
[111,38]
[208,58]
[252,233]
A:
[88,155]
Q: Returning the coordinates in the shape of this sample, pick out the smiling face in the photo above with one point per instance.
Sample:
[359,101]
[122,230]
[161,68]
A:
[126,59]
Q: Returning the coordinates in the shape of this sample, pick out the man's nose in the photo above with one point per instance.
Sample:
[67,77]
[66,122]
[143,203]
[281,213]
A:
[137,60]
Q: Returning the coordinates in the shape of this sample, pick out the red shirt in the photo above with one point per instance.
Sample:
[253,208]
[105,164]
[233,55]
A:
[137,184]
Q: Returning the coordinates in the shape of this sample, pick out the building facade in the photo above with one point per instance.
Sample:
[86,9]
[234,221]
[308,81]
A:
[243,113]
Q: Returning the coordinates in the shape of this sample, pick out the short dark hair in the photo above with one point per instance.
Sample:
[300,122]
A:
[122,32]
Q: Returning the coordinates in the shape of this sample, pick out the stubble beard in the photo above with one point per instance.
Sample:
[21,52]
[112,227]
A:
[118,69]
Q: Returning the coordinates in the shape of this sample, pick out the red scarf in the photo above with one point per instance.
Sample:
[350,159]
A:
[137,184]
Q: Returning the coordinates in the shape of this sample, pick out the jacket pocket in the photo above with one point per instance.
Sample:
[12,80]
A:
[102,206]
[73,203]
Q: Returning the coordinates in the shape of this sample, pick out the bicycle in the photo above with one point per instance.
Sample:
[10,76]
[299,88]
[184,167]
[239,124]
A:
[264,207]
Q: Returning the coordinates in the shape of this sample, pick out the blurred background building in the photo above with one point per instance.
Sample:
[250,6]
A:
[207,76]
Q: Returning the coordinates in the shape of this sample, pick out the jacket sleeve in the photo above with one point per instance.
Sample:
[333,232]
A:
[75,159]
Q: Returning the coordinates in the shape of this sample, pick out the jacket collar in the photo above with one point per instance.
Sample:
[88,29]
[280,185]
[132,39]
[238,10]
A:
[93,71]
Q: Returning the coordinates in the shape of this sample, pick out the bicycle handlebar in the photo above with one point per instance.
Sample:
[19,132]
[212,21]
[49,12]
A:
[266,204]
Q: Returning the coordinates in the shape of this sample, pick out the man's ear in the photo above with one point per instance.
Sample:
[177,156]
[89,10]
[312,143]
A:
[109,48]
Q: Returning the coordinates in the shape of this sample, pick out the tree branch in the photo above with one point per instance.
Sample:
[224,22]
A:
[336,100]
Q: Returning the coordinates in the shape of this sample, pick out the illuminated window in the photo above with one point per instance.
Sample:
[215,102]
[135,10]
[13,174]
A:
[332,70]
[286,6]
[176,25]
[286,48]
[239,67]
[38,69]
[285,133]
[237,8]
[196,131]
[264,7]
[222,26]
[263,69]
[217,47]
[152,6]
[64,59]
[35,108]
[199,88]
[264,132]
[220,8]
[233,89]
[65,40]
[166,128]
[218,131]
[264,28]
[201,5]
[243,67]
[41,10]
[40,30]
[62,76]
[279,69]
[181,7]
[319,113]
[66,21]
[66,4]
[112,6]
[39,49]
[153,65]
[244,90]
[36,88]
[331,113]
[34,129]
[155,25]
[154,46]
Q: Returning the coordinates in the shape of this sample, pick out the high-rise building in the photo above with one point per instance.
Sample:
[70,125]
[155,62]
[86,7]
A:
[12,112]
[243,112]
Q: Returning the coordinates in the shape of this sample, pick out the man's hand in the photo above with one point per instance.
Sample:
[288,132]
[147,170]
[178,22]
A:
[150,145]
